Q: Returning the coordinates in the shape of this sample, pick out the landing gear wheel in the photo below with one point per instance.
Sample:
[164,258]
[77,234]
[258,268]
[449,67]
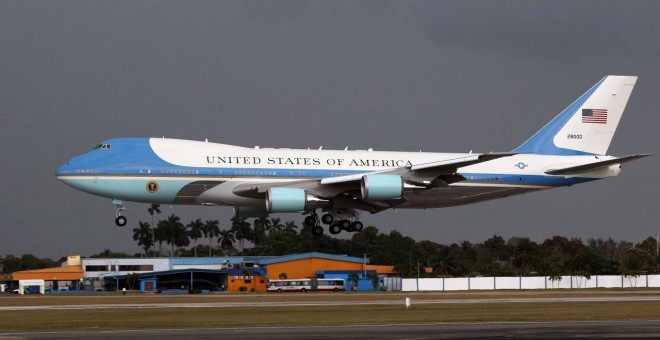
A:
[335,229]
[121,221]
[358,226]
[327,219]
[310,220]
[345,224]
[317,230]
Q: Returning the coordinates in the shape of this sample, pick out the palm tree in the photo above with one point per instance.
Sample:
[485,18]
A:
[181,238]
[526,255]
[290,227]
[154,210]
[174,232]
[261,224]
[226,239]
[160,235]
[241,229]
[195,231]
[144,236]
[449,263]
[275,226]
[211,229]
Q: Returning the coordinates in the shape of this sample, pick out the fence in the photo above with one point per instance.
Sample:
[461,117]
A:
[529,282]
[391,283]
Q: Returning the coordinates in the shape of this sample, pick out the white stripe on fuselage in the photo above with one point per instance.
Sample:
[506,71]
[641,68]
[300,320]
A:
[212,155]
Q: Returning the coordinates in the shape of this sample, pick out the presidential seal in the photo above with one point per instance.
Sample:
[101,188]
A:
[152,186]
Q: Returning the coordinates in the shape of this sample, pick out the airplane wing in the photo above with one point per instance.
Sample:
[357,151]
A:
[580,169]
[425,175]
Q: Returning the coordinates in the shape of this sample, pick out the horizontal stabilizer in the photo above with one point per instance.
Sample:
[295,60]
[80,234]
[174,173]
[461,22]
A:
[580,169]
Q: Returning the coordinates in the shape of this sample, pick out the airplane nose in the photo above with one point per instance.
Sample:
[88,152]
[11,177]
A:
[63,170]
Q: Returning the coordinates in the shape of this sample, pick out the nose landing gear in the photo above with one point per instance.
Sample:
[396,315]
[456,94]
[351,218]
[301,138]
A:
[120,220]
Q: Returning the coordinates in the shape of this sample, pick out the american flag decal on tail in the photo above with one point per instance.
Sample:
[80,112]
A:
[594,116]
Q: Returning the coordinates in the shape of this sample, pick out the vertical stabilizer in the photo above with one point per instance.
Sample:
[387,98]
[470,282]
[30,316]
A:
[587,126]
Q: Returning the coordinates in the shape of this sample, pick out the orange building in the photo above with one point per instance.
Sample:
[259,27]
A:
[307,264]
[67,276]
[58,278]
[66,273]
[246,279]
[292,266]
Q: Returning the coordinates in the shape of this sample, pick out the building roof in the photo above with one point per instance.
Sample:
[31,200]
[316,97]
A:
[304,256]
[64,273]
[169,272]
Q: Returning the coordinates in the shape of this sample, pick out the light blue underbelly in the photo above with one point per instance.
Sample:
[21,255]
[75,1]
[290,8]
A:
[131,189]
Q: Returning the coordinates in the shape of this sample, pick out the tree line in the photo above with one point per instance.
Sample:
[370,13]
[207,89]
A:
[493,257]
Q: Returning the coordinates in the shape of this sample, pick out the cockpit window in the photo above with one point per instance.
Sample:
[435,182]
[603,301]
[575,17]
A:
[102,146]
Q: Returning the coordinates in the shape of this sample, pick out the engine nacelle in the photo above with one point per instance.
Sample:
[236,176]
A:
[284,200]
[247,212]
[381,187]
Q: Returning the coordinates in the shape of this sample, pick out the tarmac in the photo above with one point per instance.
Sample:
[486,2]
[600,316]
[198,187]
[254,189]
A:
[591,329]
[558,329]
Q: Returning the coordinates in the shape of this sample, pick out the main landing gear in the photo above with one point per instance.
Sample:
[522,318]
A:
[120,220]
[337,221]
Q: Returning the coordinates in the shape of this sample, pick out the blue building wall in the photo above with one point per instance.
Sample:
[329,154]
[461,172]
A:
[364,283]
[143,285]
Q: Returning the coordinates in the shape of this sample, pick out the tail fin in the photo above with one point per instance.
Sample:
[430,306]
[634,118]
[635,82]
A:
[587,126]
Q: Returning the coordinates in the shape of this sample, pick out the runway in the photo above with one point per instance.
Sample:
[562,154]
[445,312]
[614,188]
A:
[591,329]
[415,301]
[226,312]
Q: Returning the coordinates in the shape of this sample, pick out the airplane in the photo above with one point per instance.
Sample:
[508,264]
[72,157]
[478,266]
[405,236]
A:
[569,150]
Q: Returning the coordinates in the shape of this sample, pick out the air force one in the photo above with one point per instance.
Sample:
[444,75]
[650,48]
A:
[570,149]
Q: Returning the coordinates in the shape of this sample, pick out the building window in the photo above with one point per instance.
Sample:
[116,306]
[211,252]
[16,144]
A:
[96,268]
[136,268]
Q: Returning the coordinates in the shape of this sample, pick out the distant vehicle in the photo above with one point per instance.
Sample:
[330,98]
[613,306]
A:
[569,150]
[305,285]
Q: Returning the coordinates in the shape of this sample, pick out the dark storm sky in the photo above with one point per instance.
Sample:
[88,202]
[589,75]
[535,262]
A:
[448,76]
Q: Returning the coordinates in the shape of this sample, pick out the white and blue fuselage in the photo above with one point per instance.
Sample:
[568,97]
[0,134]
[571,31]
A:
[122,168]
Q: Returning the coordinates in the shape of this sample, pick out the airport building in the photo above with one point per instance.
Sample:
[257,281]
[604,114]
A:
[237,273]
[67,277]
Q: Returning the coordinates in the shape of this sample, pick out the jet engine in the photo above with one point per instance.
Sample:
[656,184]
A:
[284,200]
[381,187]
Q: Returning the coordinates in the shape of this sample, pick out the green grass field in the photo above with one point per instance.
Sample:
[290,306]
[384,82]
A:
[181,311]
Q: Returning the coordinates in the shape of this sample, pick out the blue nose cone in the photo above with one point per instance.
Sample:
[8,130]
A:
[63,173]
[64,169]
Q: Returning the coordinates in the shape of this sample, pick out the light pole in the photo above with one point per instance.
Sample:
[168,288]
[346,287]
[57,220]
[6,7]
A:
[418,275]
